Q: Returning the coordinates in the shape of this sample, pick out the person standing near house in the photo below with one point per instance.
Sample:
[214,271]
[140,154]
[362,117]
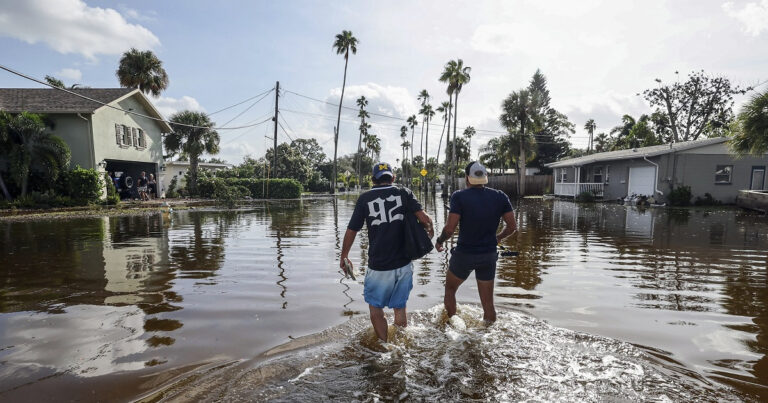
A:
[478,209]
[152,186]
[388,280]
[141,186]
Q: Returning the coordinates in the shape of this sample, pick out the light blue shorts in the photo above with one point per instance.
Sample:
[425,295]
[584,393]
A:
[388,288]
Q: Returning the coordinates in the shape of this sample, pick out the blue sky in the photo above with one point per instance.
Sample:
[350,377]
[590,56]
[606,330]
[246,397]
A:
[597,55]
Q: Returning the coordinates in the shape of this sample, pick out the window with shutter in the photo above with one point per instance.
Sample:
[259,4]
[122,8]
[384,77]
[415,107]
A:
[142,139]
[134,137]
[118,134]
[126,136]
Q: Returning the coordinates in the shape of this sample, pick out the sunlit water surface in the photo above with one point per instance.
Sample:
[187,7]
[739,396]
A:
[604,302]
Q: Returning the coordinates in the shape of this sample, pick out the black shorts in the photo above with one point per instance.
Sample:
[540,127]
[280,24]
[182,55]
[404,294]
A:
[484,265]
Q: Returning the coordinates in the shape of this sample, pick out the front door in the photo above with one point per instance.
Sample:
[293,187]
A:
[758,178]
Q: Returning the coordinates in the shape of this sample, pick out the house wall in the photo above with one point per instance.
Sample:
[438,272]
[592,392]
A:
[697,170]
[617,181]
[76,133]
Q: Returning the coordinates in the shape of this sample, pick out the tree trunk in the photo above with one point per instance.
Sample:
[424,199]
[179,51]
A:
[454,158]
[426,153]
[338,120]
[360,158]
[521,174]
[193,160]
[4,189]
[448,144]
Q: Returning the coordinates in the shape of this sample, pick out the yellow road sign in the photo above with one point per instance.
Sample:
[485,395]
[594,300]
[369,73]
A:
[423,172]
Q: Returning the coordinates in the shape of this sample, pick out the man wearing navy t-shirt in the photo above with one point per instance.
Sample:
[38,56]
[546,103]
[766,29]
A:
[478,210]
[388,280]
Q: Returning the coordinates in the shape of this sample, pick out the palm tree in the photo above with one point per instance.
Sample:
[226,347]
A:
[343,44]
[142,70]
[28,147]
[362,114]
[520,117]
[457,75]
[444,109]
[751,135]
[590,127]
[424,98]
[468,133]
[403,137]
[428,113]
[412,123]
[406,145]
[193,141]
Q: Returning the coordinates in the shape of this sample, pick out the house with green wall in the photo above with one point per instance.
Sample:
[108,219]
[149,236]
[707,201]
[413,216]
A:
[109,129]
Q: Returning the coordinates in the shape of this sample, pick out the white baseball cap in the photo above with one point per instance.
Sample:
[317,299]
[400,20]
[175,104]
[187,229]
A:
[476,173]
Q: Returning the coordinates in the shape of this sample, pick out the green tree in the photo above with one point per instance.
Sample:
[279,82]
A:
[412,123]
[29,148]
[469,132]
[590,127]
[603,143]
[553,130]
[310,150]
[345,42]
[424,98]
[362,114]
[700,105]
[191,141]
[142,70]
[456,75]
[462,153]
[520,116]
[751,128]
[444,108]
[291,163]
[404,142]
[54,81]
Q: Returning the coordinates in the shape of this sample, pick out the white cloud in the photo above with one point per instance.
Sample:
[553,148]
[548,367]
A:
[753,16]
[70,26]
[73,75]
[168,106]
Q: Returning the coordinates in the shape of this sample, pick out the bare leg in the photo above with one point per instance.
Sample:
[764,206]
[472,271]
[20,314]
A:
[485,288]
[452,284]
[400,317]
[379,322]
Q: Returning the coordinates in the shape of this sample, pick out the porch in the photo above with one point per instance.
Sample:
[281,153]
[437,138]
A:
[574,189]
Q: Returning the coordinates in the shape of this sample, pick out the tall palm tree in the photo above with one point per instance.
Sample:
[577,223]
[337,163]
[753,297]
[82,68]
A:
[424,98]
[403,138]
[428,113]
[24,141]
[142,70]
[751,135]
[443,108]
[457,75]
[519,117]
[469,131]
[362,114]
[412,123]
[345,42]
[590,127]
[193,141]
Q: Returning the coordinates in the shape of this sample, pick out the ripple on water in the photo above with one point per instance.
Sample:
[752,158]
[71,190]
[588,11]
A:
[518,357]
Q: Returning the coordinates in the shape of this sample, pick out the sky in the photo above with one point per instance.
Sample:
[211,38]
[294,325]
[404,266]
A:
[596,55]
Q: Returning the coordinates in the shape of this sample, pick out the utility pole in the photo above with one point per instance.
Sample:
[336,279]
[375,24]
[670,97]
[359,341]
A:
[274,150]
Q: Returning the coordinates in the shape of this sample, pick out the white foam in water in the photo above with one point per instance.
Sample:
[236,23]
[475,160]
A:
[517,358]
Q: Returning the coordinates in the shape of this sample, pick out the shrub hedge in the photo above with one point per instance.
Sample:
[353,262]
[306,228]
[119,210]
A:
[82,185]
[257,188]
[680,196]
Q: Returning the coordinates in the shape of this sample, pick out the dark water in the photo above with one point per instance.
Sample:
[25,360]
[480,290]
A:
[604,302]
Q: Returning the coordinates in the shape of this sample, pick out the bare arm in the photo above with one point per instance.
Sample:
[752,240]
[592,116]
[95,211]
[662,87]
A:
[510,226]
[349,239]
[426,222]
[448,230]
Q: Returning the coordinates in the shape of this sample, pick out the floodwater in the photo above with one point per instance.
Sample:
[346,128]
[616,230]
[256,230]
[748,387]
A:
[604,302]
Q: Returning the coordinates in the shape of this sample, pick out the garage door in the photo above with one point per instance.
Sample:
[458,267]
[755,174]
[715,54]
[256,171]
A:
[641,180]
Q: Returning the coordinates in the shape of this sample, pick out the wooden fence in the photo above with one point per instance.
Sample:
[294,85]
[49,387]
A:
[534,184]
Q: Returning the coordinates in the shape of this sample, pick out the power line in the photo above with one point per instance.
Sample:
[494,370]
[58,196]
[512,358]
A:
[242,102]
[8,69]
[246,132]
[284,131]
[248,108]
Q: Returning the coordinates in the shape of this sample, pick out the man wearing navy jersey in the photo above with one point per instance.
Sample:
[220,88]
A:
[477,210]
[388,280]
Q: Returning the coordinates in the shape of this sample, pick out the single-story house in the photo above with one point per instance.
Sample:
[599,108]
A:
[706,165]
[99,136]
[177,169]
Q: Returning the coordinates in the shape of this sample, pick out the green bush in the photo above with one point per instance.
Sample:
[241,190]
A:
[257,188]
[112,196]
[317,183]
[708,200]
[172,193]
[45,200]
[83,185]
[680,196]
[585,197]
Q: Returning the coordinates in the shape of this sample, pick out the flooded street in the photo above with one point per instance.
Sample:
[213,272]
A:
[602,301]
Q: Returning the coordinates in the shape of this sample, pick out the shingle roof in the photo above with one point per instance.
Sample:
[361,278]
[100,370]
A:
[636,152]
[49,100]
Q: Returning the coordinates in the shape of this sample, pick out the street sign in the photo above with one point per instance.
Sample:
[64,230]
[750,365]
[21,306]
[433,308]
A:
[423,172]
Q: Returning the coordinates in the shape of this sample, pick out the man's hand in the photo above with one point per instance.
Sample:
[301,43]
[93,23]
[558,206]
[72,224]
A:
[439,246]
[341,264]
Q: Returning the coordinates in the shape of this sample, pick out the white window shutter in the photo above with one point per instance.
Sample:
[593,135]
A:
[135,137]
[118,134]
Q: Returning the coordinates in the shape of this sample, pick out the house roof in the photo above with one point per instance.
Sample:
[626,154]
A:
[51,101]
[651,151]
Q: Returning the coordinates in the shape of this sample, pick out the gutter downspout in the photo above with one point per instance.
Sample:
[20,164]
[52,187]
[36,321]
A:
[90,140]
[656,183]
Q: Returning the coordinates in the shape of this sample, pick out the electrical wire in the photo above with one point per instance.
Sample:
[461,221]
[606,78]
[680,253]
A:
[242,102]
[247,109]
[8,69]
